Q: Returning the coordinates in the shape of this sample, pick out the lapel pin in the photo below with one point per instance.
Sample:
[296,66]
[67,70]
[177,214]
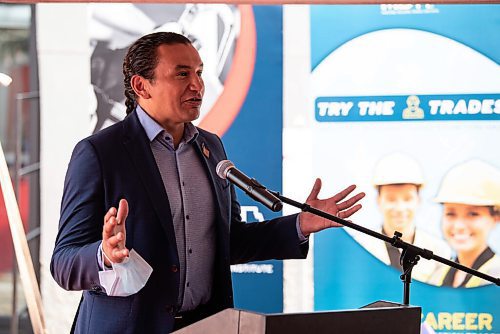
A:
[205,150]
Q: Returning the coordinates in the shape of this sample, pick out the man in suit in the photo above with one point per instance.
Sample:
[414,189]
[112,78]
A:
[161,260]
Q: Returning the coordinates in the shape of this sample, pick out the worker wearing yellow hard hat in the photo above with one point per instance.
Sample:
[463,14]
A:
[398,179]
[470,194]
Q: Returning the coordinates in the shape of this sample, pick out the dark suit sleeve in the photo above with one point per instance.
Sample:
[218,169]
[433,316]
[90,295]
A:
[273,239]
[74,261]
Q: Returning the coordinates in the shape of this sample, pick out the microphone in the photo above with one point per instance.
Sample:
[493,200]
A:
[226,170]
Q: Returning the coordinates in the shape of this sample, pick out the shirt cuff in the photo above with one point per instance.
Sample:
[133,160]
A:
[100,259]
[302,238]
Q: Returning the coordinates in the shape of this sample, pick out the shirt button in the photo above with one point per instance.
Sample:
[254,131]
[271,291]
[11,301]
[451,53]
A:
[187,216]
[174,268]
[190,251]
[187,284]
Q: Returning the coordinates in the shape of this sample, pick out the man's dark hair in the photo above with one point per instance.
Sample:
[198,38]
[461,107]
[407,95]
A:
[141,59]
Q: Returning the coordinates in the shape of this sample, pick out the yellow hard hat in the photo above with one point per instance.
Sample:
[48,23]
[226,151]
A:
[473,183]
[397,168]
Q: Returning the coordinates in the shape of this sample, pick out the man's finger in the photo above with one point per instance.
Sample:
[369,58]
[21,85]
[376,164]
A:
[109,227]
[351,211]
[343,194]
[115,240]
[122,211]
[315,190]
[119,254]
[350,202]
[111,212]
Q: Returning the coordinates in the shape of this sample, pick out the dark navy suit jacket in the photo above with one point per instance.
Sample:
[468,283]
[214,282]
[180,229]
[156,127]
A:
[118,163]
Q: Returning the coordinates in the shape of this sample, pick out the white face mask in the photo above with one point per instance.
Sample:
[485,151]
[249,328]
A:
[127,277]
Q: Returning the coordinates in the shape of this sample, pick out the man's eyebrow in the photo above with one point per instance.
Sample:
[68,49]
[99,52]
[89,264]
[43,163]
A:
[181,67]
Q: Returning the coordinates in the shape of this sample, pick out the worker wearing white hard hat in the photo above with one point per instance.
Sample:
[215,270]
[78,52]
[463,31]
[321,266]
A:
[470,194]
[398,179]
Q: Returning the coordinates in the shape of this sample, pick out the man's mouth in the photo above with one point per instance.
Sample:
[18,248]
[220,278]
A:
[195,101]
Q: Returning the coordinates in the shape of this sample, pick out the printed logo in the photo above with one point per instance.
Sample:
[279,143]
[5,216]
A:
[413,111]
[398,9]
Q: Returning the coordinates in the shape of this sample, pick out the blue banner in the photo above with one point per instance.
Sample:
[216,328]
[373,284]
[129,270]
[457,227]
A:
[408,108]
[405,103]
[254,144]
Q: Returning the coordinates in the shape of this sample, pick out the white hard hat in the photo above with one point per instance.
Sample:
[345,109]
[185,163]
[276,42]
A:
[397,168]
[474,183]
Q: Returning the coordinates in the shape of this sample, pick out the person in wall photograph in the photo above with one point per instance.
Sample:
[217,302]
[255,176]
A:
[470,198]
[398,179]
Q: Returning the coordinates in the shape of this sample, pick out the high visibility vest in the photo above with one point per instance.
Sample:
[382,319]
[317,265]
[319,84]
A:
[490,267]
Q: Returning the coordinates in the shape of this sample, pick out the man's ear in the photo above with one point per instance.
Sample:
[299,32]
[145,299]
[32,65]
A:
[139,85]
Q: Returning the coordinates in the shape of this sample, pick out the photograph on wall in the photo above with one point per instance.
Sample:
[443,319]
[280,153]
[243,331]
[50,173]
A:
[214,30]
[406,104]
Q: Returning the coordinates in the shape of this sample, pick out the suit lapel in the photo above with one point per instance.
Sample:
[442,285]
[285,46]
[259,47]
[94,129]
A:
[137,145]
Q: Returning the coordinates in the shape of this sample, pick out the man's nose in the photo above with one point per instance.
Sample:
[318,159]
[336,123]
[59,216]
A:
[197,84]
[400,205]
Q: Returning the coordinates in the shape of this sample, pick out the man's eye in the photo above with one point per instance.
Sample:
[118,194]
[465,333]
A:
[200,73]
[182,74]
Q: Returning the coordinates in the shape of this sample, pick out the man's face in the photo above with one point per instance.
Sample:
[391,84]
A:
[466,227]
[398,204]
[177,89]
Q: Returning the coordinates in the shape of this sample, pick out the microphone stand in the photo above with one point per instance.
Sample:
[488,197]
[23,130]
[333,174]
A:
[410,253]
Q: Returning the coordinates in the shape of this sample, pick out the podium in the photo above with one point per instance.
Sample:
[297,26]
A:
[375,318]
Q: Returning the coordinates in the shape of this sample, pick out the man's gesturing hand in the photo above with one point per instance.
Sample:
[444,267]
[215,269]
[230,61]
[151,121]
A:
[114,234]
[336,205]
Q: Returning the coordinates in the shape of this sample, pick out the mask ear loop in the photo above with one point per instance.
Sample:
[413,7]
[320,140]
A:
[107,258]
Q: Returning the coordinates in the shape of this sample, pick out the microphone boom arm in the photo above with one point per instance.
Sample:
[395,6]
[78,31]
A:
[410,253]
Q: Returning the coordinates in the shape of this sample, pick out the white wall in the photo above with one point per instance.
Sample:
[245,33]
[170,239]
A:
[64,67]
[298,289]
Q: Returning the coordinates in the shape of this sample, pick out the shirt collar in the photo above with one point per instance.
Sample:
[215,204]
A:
[153,129]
